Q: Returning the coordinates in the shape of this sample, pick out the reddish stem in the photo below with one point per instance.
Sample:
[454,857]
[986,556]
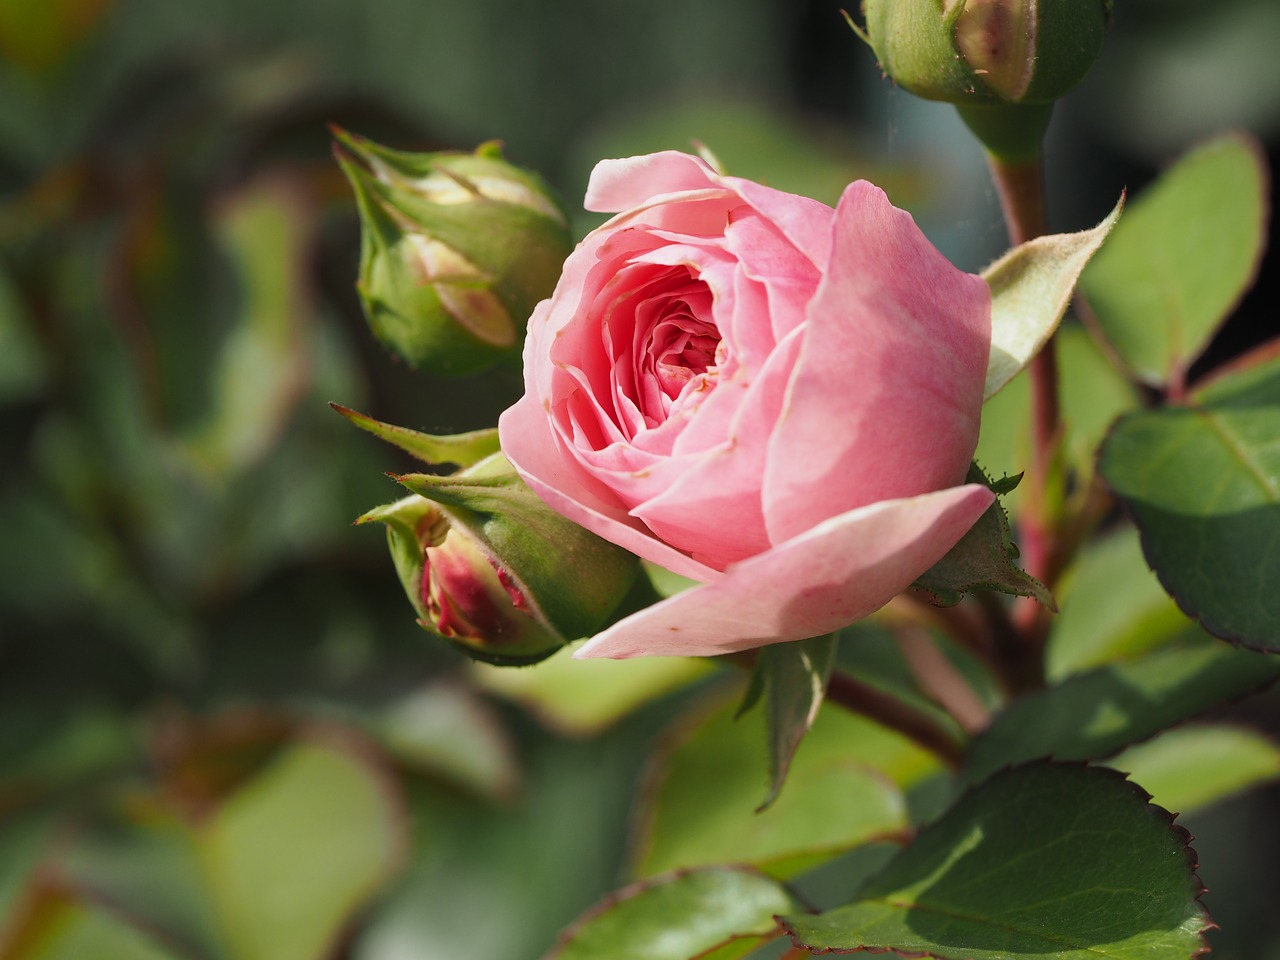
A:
[916,725]
[1021,190]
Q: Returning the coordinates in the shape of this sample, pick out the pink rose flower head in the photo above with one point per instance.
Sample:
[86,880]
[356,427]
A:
[754,390]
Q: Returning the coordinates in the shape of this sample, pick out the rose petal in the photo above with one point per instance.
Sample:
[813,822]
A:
[618,185]
[824,579]
[527,441]
[806,223]
[887,392]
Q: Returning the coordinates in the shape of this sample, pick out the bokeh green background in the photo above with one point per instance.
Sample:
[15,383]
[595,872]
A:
[221,733]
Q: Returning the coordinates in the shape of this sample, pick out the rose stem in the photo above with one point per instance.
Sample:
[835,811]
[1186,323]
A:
[916,725]
[1021,189]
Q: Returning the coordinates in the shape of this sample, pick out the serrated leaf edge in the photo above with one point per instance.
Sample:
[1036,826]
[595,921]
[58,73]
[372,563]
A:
[1182,837]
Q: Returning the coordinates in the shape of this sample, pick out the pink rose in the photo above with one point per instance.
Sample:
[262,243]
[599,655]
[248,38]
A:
[754,390]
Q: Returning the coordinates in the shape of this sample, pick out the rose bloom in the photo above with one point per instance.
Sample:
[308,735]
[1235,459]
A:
[754,390]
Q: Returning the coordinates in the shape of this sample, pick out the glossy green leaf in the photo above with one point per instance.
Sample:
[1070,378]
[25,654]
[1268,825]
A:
[583,697]
[1202,484]
[795,679]
[1047,860]
[1094,714]
[678,917]
[1113,607]
[845,789]
[1181,258]
[1196,766]
[463,449]
[291,856]
[1031,287]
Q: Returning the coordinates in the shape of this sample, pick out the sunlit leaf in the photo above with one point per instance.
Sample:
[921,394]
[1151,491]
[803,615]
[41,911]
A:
[582,697]
[1031,287]
[1192,767]
[678,917]
[1181,258]
[1113,607]
[845,788]
[294,853]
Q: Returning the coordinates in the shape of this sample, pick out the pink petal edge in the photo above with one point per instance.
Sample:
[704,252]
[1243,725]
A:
[826,578]
[559,482]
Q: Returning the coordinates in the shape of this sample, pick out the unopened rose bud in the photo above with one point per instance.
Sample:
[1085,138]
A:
[487,564]
[456,251]
[987,52]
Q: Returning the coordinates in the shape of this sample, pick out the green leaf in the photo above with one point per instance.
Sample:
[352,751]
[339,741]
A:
[1202,484]
[445,730]
[584,697]
[1113,608]
[1031,287]
[795,681]
[293,854]
[57,926]
[464,449]
[264,365]
[846,789]
[1179,262]
[1094,714]
[679,917]
[1195,766]
[982,560]
[1048,860]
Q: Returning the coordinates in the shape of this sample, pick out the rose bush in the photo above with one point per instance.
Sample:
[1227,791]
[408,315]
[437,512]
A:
[756,391]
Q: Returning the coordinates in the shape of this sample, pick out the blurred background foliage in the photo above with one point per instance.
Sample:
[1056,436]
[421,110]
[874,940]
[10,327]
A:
[221,733]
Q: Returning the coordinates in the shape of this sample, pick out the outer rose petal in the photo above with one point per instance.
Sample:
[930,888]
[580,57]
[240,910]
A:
[840,571]
[555,477]
[618,185]
[887,392]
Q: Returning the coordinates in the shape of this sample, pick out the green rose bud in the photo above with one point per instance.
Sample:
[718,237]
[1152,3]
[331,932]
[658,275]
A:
[1001,62]
[987,52]
[486,564]
[456,250]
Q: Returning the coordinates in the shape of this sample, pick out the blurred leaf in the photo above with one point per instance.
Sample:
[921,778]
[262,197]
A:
[583,697]
[263,366]
[39,36]
[1113,608]
[1195,766]
[292,856]
[445,730]
[1181,258]
[1046,860]
[23,369]
[1031,287]
[1202,484]
[682,916]
[795,679]
[1094,714]
[845,789]
[60,927]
